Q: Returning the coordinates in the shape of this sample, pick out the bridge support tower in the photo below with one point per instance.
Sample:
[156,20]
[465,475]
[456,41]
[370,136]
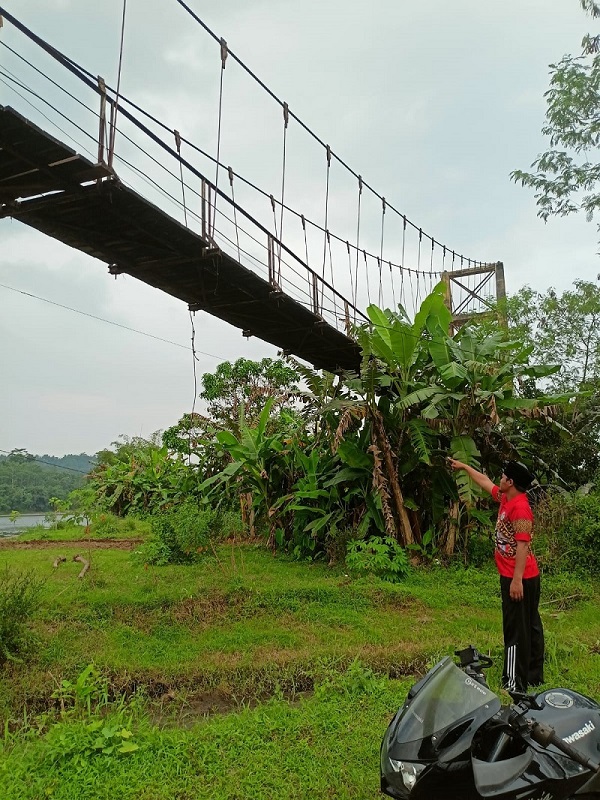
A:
[474,296]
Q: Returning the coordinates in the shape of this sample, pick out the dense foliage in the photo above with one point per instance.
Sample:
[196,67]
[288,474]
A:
[566,178]
[139,477]
[26,484]
[569,529]
[180,535]
[19,598]
[564,329]
[368,454]
[327,466]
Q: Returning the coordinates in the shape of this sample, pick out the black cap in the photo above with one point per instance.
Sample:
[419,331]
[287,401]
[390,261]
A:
[519,475]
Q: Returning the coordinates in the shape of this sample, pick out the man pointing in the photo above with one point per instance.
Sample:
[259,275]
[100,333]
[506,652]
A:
[519,575]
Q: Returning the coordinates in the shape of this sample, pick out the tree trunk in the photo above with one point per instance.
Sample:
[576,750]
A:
[384,446]
[452,528]
[247,512]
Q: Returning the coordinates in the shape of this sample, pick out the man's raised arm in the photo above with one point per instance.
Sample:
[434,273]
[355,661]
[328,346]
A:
[477,477]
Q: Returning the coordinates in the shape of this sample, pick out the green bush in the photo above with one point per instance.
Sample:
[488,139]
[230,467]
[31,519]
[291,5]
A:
[229,524]
[568,528]
[89,691]
[381,556]
[105,524]
[19,597]
[480,549]
[180,536]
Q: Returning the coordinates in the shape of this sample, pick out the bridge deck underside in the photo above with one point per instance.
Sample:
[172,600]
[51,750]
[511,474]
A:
[48,186]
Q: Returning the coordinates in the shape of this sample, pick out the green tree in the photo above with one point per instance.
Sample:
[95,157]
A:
[564,329]
[138,476]
[566,178]
[26,485]
[561,329]
[449,395]
[239,390]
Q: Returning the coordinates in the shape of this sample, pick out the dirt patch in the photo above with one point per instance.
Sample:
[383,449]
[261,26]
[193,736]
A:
[94,544]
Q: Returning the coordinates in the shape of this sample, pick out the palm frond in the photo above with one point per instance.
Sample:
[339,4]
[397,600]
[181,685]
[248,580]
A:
[421,436]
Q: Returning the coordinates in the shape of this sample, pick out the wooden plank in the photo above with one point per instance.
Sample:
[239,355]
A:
[32,162]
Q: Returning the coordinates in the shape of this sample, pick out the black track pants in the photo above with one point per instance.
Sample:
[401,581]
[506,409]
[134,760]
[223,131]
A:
[523,636]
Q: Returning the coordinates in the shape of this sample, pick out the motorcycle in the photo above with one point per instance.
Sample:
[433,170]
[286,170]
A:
[453,740]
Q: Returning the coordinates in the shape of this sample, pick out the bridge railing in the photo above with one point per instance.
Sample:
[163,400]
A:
[335,276]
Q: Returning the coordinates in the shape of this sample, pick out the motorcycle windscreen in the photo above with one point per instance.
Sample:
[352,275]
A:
[448,696]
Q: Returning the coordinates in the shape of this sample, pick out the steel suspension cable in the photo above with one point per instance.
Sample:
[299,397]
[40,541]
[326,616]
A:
[360,185]
[235,222]
[328,156]
[166,128]
[286,119]
[393,287]
[380,260]
[114,108]
[431,268]
[402,264]
[311,133]
[335,309]
[224,52]
[352,292]
[178,146]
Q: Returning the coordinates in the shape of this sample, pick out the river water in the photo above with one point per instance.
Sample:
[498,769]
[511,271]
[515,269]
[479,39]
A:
[8,528]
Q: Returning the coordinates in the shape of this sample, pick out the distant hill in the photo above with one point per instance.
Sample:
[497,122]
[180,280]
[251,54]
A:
[82,462]
[27,481]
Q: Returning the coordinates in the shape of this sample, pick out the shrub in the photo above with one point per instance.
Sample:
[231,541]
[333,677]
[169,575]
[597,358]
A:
[569,533]
[75,746]
[105,524]
[180,536]
[356,681]
[229,523]
[19,597]
[87,692]
[480,549]
[381,556]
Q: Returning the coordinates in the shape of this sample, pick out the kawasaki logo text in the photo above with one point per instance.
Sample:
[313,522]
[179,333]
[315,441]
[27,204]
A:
[587,728]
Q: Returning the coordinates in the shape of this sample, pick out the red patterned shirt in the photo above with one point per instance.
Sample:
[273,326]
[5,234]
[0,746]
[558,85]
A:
[515,524]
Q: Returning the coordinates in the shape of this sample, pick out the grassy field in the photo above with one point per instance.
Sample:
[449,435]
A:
[244,676]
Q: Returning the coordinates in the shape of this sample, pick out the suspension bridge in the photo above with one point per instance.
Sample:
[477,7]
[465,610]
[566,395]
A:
[225,245]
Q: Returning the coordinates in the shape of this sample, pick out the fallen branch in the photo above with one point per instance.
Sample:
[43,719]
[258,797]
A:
[86,565]
[58,560]
[562,599]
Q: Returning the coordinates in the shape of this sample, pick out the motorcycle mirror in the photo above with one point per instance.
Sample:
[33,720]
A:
[471,656]
[528,700]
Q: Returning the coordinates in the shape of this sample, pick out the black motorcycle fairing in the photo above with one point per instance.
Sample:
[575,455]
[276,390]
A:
[532,774]
[452,728]
[443,713]
[433,731]
[591,787]
[491,778]
[578,726]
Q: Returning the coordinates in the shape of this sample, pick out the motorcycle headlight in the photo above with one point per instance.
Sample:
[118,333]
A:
[408,771]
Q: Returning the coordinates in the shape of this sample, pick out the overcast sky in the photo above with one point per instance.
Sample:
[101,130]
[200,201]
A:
[433,103]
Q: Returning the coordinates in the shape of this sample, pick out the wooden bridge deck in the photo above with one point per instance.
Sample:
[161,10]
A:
[45,184]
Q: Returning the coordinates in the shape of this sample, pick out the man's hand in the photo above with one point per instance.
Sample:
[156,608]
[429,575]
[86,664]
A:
[477,477]
[516,589]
